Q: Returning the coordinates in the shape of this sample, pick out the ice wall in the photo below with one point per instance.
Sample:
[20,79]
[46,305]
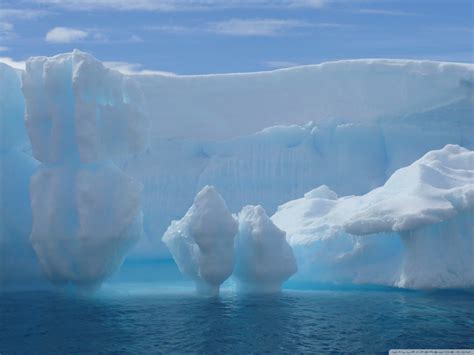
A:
[249,134]
[87,213]
[18,264]
[415,231]
[230,105]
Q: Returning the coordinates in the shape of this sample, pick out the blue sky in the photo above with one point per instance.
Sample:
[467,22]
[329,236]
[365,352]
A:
[216,36]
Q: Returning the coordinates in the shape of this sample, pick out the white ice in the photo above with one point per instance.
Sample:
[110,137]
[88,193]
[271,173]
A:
[202,242]
[264,260]
[415,231]
[259,138]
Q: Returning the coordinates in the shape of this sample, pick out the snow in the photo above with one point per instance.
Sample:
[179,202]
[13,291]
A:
[264,260]
[202,242]
[426,208]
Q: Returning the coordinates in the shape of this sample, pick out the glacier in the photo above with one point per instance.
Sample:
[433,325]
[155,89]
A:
[90,135]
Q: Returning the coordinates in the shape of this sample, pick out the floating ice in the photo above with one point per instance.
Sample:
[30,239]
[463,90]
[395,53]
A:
[202,242]
[264,260]
[416,231]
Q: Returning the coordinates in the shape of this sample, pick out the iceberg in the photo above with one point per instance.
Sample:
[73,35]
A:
[260,138]
[264,259]
[415,231]
[81,119]
[202,242]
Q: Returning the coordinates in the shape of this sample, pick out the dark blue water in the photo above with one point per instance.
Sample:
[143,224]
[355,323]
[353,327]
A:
[291,322]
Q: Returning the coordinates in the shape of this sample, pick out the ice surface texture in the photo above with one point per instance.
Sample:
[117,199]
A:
[202,242]
[87,212]
[78,109]
[85,220]
[264,260]
[418,227]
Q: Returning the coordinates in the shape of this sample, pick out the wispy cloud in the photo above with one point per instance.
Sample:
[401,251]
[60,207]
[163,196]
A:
[277,64]
[3,49]
[22,14]
[65,35]
[255,27]
[179,5]
[134,68]
[247,27]
[385,12]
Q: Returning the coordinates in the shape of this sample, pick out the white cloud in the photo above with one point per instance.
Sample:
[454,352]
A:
[13,63]
[65,35]
[179,5]
[276,64]
[3,49]
[134,68]
[255,27]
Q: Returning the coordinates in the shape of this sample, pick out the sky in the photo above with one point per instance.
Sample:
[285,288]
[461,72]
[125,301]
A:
[221,36]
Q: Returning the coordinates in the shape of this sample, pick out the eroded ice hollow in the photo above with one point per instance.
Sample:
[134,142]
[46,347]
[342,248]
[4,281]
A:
[259,138]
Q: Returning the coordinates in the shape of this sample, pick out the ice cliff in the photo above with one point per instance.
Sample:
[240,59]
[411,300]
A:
[115,154]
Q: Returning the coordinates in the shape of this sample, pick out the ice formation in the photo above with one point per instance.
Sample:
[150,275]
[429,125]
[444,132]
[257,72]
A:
[416,231]
[202,242]
[259,138]
[17,261]
[264,260]
[87,215]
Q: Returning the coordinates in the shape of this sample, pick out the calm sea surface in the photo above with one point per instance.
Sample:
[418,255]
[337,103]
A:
[141,320]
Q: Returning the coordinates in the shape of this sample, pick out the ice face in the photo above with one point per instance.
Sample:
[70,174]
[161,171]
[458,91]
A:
[80,117]
[85,219]
[76,109]
[394,234]
[264,260]
[202,242]
[12,129]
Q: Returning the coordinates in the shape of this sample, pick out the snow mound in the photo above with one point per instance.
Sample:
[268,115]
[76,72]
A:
[85,219]
[202,242]
[421,211]
[78,109]
[264,260]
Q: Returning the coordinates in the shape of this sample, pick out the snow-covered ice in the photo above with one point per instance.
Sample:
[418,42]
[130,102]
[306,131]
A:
[202,242]
[264,260]
[415,231]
